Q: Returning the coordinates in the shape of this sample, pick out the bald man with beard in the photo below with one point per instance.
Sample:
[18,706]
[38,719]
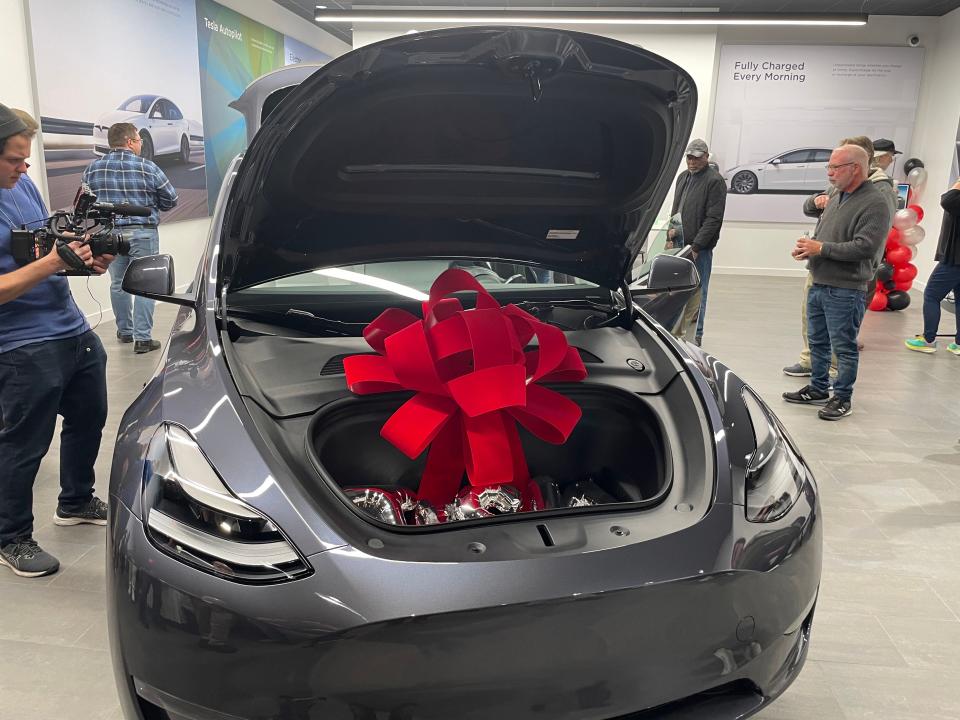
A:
[841,257]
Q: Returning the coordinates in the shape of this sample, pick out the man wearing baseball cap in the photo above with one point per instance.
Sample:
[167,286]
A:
[883,153]
[699,200]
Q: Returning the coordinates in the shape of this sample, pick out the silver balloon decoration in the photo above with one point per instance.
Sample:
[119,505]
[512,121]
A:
[904,219]
[912,236]
[913,252]
[917,179]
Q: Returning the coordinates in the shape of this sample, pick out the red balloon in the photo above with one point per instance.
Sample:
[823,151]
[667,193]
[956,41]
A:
[903,285]
[899,256]
[904,273]
[879,301]
[893,239]
[918,210]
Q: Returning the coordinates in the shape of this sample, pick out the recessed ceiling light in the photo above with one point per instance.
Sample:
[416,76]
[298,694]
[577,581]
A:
[583,17]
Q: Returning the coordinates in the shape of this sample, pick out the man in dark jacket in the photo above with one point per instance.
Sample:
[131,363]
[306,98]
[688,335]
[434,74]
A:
[944,278]
[700,197]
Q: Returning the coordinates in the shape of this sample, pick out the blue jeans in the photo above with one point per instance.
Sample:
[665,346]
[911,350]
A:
[942,280]
[704,263]
[833,320]
[134,314]
[38,382]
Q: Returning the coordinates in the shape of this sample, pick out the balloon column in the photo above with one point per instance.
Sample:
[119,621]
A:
[896,273]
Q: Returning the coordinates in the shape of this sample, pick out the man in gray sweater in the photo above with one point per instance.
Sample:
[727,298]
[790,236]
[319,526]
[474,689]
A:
[849,239]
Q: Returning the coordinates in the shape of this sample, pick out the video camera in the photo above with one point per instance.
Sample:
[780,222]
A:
[89,219]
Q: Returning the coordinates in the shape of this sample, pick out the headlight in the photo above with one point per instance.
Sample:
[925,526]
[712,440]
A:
[775,476]
[190,514]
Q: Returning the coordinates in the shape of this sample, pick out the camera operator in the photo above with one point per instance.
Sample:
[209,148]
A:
[51,363]
[122,176]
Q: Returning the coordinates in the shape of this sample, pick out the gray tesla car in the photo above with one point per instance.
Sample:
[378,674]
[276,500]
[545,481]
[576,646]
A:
[585,518]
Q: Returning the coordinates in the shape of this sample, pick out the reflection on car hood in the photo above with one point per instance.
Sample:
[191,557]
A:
[545,146]
[116,116]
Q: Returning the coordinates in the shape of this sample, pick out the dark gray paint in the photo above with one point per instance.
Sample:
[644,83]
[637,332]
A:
[598,626]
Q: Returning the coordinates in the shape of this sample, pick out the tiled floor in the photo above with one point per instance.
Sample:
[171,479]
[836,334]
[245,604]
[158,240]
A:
[886,640]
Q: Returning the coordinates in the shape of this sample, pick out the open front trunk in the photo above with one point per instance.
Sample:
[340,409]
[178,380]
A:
[616,454]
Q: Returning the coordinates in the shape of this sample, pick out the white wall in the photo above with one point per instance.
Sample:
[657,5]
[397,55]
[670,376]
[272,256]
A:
[764,248]
[184,240]
[745,247]
[937,132]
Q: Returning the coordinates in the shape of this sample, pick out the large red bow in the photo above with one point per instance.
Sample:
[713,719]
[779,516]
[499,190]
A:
[473,381]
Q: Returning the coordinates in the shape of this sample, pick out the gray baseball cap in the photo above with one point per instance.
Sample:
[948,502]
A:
[10,124]
[697,148]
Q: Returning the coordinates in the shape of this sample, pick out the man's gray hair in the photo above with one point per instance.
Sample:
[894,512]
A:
[858,155]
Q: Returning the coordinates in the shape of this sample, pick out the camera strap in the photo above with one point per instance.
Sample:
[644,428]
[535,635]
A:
[69,256]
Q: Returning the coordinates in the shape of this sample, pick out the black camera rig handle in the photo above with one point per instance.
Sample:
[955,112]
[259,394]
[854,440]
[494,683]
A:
[67,254]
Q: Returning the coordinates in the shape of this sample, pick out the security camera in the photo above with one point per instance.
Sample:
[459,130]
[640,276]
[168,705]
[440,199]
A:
[913,41]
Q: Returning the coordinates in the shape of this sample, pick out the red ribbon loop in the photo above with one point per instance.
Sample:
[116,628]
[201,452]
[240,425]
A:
[473,383]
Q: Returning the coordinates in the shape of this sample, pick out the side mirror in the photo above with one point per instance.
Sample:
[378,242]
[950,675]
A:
[671,272]
[776,161]
[152,277]
[670,284]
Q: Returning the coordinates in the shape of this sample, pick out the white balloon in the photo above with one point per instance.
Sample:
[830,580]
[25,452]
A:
[904,219]
[913,252]
[917,177]
[912,236]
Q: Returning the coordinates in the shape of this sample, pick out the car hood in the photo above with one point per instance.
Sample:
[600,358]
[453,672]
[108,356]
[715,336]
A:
[115,116]
[544,146]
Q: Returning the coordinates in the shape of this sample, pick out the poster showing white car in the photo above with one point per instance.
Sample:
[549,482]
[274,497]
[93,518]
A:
[780,110]
[119,79]
[160,122]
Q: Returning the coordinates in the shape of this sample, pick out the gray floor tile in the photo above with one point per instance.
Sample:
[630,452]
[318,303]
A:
[48,682]
[925,642]
[840,637]
[48,615]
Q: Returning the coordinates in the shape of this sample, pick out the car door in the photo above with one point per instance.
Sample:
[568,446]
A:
[169,142]
[179,125]
[157,126]
[788,171]
[816,177]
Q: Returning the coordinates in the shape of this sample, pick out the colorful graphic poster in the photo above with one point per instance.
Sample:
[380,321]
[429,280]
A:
[233,51]
[296,52]
[780,110]
[138,65]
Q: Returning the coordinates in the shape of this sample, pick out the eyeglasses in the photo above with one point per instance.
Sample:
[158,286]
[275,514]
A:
[837,167]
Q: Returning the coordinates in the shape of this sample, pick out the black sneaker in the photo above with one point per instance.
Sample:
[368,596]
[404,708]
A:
[835,409]
[797,370]
[27,559]
[94,513]
[807,395]
[124,338]
[145,346]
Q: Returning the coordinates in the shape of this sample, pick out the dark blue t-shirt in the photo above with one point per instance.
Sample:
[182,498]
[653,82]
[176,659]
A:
[47,311]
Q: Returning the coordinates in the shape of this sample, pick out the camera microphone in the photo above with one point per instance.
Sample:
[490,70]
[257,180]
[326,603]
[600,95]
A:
[121,209]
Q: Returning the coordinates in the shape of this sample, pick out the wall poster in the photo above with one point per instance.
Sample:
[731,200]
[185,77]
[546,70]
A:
[781,109]
[170,67]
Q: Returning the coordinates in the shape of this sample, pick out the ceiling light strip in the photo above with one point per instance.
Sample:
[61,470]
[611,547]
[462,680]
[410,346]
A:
[566,17]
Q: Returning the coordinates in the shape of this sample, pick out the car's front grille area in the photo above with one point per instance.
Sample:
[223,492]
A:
[736,699]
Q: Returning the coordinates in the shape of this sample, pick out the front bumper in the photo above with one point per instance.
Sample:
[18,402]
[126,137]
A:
[717,645]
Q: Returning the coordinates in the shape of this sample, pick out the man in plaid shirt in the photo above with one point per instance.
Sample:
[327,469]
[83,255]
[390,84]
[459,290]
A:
[122,176]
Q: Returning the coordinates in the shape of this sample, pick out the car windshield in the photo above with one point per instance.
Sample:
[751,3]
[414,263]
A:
[413,278]
[138,103]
